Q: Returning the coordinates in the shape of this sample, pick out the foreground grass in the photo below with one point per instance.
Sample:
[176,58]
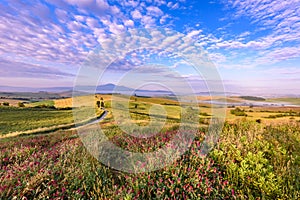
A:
[261,162]
[57,165]
[249,162]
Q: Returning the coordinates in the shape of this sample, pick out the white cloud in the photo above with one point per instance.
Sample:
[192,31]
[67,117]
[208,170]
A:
[194,33]
[163,19]
[154,11]
[279,54]
[92,23]
[136,14]
[175,6]
[148,21]
[62,15]
[172,5]
[129,23]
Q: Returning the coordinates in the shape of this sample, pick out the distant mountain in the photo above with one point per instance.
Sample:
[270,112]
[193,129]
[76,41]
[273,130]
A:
[16,89]
[56,92]
[112,88]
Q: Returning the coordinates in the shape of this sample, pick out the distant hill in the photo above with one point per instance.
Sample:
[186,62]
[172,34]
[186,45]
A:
[33,94]
[29,96]
[56,92]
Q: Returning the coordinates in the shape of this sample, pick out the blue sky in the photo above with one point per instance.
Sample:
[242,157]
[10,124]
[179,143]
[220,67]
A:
[255,45]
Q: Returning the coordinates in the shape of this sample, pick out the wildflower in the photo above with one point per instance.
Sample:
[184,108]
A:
[209,189]
[178,180]
[225,182]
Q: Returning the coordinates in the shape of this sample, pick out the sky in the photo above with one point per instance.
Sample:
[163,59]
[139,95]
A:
[253,44]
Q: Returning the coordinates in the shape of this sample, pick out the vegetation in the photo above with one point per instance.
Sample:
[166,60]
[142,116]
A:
[15,119]
[252,98]
[238,112]
[58,165]
[251,160]
[46,103]
[5,104]
[261,163]
[289,114]
[21,104]
[295,101]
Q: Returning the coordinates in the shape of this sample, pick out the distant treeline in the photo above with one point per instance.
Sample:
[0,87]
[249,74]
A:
[252,98]
[52,107]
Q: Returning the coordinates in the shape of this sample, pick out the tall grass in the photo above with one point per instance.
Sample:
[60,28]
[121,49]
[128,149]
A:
[261,162]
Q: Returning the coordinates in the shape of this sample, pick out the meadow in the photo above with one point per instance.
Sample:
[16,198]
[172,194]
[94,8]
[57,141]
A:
[253,159]
[13,119]
[42,118]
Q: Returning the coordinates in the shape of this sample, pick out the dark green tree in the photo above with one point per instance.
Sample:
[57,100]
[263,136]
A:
[98,104]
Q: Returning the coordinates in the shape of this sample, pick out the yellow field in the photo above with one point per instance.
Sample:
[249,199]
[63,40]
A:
[12,102]
[173,109]
[80,101]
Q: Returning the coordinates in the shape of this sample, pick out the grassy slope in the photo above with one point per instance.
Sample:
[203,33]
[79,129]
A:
[294,101]
[46,103]
[23,119]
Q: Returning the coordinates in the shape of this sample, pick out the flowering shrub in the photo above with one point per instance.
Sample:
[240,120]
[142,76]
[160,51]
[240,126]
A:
[58,166]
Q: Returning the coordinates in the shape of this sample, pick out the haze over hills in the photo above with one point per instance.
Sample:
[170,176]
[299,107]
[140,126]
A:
[57,92]
[106,88]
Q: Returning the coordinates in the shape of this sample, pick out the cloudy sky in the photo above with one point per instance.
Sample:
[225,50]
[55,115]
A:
[255,45]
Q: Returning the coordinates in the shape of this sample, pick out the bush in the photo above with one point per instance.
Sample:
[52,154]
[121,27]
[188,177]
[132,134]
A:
[45,106]
[65,108]
[5,103]
[238,112]
[204,114]
[258,121]
[21,104]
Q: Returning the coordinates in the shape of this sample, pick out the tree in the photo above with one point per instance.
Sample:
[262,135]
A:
[98,104]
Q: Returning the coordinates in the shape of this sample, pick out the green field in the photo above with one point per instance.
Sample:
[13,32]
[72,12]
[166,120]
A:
[14,119]
[294,101]
[41,103]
